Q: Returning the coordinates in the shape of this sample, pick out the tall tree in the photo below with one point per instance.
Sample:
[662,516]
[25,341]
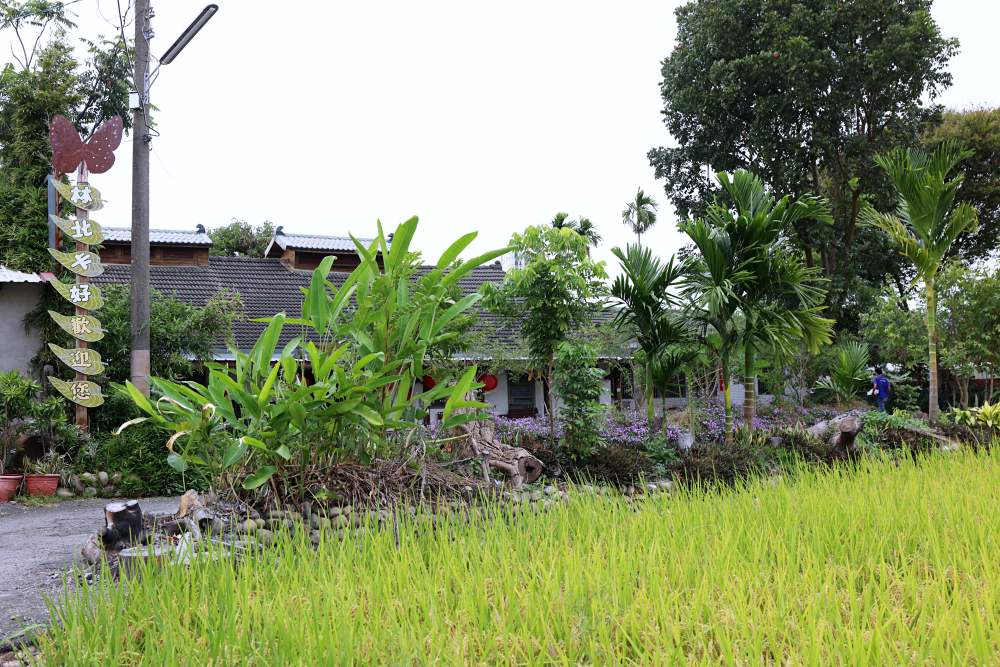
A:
[556,292]
[239,237]
[582,226]
[47,79]
[646,309]
[925,225]
[804,95]
[640,214]
[979,131]
[781,301]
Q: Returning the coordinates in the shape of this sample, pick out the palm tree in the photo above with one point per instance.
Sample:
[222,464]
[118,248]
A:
[782,302]
[582,226]
[925,224]
[713,298]
[640,214]
[746,288]
[644,302]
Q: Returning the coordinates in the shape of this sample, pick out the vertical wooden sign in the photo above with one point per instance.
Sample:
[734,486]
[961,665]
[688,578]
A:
[71,154]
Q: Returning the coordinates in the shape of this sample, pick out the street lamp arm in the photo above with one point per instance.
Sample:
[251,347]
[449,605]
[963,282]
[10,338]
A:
[188,34]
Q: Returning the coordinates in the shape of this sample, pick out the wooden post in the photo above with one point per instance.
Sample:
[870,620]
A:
[82,412]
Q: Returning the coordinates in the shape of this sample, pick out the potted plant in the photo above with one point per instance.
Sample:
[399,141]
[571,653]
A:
[42,478]
[16,394]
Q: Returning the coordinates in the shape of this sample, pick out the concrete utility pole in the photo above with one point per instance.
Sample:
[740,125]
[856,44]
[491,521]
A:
[140,201]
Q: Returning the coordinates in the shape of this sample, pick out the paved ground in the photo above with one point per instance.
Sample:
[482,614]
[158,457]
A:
[38,545]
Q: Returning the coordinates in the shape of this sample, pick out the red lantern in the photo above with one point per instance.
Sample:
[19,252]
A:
[489,381]
[428,382]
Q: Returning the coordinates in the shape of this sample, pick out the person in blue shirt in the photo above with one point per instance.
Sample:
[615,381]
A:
[881,385]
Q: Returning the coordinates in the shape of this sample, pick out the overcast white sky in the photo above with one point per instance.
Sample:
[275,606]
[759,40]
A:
[323,116]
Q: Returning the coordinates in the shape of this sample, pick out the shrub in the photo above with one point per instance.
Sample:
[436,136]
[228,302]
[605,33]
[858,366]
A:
[805,444]
[578,384]
[16,394]
[848,374]
[614,464]
[749,452]
[364,344]
[140,456]
[895,430]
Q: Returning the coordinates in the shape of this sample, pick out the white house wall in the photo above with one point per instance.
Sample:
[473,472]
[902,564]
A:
[17,348]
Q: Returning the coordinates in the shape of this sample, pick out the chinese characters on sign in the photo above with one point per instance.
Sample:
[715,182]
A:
[70,153]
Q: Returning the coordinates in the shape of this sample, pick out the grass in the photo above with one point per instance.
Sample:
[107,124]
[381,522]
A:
[877,564]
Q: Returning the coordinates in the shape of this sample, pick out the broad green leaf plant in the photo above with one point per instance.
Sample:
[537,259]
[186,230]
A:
[292,406]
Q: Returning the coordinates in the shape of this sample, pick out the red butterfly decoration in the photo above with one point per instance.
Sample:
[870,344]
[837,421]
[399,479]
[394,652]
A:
[68,150]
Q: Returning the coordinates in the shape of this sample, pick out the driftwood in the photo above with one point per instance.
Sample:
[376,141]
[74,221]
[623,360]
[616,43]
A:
[123,524]
[519,465]
[841,432]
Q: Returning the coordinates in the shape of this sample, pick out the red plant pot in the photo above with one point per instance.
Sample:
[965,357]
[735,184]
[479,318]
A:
[8,486]
[41,485]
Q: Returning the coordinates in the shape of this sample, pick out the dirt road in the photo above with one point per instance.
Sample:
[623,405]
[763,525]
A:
[38,545]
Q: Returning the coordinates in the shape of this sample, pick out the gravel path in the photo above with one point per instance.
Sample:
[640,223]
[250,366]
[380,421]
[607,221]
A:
[38,545]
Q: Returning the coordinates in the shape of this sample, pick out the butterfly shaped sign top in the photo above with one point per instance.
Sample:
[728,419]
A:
[97,154]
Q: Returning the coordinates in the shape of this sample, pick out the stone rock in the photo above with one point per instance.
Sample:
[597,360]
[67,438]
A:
[88,478]
[551,490]
[321,523]
[65,493]
[103,478]
[265,536]
[76,484]
[340,520]
[248,526]
[314,536]
[89,492]
[535,496]
[259,521]
[276,514]
[335,511]
[279,524]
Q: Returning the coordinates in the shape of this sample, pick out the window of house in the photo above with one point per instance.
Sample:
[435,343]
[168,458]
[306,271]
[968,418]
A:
[520,394]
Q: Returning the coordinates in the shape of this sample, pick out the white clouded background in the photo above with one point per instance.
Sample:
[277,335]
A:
[323,116]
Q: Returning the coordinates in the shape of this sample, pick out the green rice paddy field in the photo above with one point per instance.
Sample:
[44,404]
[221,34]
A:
[880,563]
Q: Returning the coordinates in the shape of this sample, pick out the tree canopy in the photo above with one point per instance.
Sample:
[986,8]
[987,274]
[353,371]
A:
[803,95]
[979,131]
[240,237]
[47,79]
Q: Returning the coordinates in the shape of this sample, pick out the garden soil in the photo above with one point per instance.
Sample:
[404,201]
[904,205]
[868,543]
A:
[38,547]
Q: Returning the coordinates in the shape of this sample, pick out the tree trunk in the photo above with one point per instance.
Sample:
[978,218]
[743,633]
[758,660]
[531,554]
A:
[727,400]
[650,408]
[749,387]
[519,465]
[933,409]
[548,400]
[690,405]
[663,409]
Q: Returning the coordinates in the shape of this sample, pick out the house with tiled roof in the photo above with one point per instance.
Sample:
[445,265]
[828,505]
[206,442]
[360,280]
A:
[181,266]
[19,294]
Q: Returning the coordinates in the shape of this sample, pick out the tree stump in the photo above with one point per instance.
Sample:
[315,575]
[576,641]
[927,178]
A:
[518,464]
[124,525]
[841,432]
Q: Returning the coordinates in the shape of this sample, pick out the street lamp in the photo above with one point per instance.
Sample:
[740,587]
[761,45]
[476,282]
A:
[188,34]
[139,103]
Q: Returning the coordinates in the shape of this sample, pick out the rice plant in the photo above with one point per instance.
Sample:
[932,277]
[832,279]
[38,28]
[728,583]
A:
[879,563]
